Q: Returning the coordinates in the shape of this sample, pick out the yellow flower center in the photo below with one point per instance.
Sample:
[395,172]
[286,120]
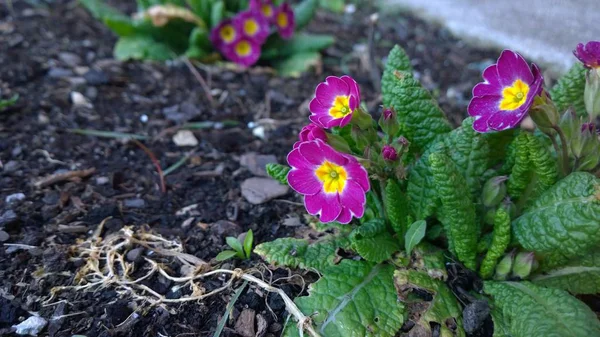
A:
[243,48]
[251,27]
[267,10]
[340,107]
[332,176]
[514,96]
[282,20]
[227,33]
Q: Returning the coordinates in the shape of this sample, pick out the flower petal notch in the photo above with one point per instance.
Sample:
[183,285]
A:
[507,93]
[588,54]
[334,102]
[334,184]
[285,21]
[244,52]
[252,25]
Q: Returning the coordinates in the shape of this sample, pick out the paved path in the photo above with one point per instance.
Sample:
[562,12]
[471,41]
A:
[545,31]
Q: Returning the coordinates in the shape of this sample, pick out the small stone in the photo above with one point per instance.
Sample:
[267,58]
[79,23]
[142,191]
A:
[185,138]
[15,197]
[257,163]
[59,73]
[91,92]
[11,166]
[474,315]
[225,228]
[80,71]
[102,180]
[260,190]
[4,236]
[245,323]
[8,218]
[135,255]
[70,59]
[96,77]
[77,82]
[16,151]
[134,203]
[79,100]
[31,326]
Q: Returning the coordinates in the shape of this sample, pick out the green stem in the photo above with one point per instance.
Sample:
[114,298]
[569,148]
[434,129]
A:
[565,149]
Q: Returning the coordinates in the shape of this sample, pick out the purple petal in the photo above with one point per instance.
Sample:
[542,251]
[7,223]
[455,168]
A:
[345,120]
[353,198]
[327,206]
[480,124]
[317,108]
[503,120]
[332,155]
[354,89]
[311,151]
[483,106]
[328,90]
[353,103]
[491,86]
[358,174]
[512,66]
[296,160]
[345,216]
[304,181]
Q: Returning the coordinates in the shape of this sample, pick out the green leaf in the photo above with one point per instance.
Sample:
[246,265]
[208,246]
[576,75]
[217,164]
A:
[501,328]
[100,10]
[421,191]
[373,242]
[500,242]
[140,47]
[429,259]
[276,47]
[457,211]
[333,5]
[543,164]
[304,12]
[499,143]
[354,299]
[443,309]
[578,276]
[421,119]
[226,255]
[248,242]
[199,38]
[298,253]
[278,172]
[414,235]
[568,91]
[396,207]
[217,12]
[235,244]
[5,103]
[521,174]
[296,64]
[565,220]
[534,311]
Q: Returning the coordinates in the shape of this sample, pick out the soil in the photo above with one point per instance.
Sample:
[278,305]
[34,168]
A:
[59,60]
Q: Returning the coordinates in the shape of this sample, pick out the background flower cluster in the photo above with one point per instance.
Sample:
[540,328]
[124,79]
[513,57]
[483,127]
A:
[241,37]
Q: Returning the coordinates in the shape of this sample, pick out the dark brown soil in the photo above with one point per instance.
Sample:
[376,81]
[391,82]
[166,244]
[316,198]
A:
[51,50]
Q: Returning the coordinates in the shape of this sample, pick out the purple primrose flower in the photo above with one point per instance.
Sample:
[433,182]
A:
[285,20]
[311,132]
[588,54]
[334,102]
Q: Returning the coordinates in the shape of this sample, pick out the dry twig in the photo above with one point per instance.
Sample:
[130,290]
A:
[58,177]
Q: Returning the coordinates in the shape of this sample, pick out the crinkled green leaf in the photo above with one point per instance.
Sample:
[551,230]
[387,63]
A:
[421,191]
[353,299]
[430,259]
[500,241]
[568,91]
[420,117]
[396,207]
[373,242]
[578,276]
[298,253]
[304,12]
[414,235]
[500,324]
[217,12]
[521,174]
[565,220]
[499,143]
[443,309]
[535,311]
[457,211]
[278,172]
[140,47]
[543,164]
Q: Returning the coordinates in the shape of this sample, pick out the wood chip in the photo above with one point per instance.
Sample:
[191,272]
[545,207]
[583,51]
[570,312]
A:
[64,176]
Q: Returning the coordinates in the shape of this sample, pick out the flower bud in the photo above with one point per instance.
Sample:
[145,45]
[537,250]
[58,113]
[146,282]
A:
[591,95]
[509,207]
[543,111]
[569,123]
[389,153]
[389,122]
[504,267]
[523,264]
[494,191]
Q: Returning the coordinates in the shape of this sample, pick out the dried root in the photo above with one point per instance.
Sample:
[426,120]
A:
[106,266]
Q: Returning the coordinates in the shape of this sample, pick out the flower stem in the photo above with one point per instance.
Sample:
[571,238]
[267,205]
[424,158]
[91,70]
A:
[565,149]
[556,147]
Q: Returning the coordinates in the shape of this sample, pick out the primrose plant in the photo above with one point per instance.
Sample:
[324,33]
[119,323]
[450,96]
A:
[450,232]
[244,32]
